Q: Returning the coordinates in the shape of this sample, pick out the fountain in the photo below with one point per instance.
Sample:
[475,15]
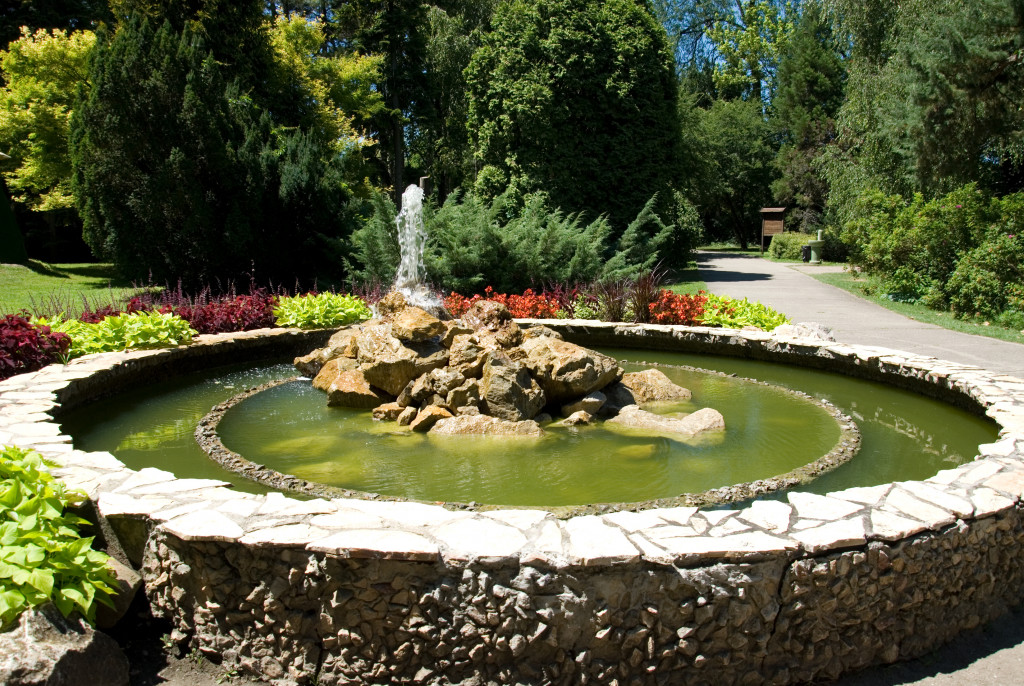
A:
[412,239]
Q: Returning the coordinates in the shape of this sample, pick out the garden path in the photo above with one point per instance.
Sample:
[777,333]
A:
[789,288]
[992,655]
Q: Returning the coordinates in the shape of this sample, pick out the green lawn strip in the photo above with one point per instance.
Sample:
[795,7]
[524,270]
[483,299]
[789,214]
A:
[48,289]
[916,311]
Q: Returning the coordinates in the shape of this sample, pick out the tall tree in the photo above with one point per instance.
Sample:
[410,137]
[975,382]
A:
[932,98]
[576,98]
[439,139]
[41,72]
[811,81]
[397,31]
[733,148]
[180,172]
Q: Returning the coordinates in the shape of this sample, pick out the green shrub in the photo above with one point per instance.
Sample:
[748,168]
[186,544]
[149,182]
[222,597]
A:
[989,279]
[320,311]
[512,244]
[134,331]
[721,310]
[42,557]
[786,246]
[914,246]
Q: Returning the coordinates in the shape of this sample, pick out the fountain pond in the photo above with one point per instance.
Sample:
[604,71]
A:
[770,432]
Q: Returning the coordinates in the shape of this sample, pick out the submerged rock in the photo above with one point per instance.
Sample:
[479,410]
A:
[578,418]
[701,421]
[480,424]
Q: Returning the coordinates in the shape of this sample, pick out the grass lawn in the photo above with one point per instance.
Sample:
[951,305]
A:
[47,289]
[917,311]
[685,281]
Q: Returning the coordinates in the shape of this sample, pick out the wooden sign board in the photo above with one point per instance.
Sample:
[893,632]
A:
[772,222]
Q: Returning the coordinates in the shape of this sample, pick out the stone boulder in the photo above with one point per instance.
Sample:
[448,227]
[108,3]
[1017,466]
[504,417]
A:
[507,390]
[467,355]
[578,418]
[341,344]
[591,403]
[439,382]
[540,331]
[480,424]
[701,421]
[330,371]
[565,370]
[388,412]
[415,325]
[427,417]
[351,389]
[465,395]
[44,647]
[652,385]
[389,364]
[128,582]
[453,328]
[493,320]
[391,304]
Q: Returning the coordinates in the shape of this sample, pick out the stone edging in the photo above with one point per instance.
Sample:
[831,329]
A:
[843,451]
[383,592]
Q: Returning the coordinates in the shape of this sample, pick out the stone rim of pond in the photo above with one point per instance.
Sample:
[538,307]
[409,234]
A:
[845,449]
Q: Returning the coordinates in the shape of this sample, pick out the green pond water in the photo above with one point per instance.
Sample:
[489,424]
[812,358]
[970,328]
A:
[768,432]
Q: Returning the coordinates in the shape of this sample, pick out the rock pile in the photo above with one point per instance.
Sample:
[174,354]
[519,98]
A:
[481,374]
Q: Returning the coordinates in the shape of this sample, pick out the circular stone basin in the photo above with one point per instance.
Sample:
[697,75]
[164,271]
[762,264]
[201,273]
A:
[774,438]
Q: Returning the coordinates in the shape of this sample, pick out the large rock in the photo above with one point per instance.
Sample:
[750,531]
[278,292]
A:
[591,403]
[699,422]
[441,382]
[416,325]
[330,372]
[652,385]
[390,304]
[565,370]
[389,364]
[128,582]
[351,389]
[466,395]
[507,391]
[341,344]
[467,355]
[427,417]
[493,320]
[480,424]
[45,648]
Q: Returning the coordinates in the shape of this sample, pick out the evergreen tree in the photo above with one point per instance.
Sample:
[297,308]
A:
[811,79]
[576,98]
[64,15]
[178,172]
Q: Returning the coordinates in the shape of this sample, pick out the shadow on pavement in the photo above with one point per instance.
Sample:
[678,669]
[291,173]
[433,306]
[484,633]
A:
[962,652]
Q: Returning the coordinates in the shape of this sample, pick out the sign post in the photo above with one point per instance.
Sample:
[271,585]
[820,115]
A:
[772,222]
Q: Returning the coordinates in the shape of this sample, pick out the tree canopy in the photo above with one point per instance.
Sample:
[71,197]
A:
[575,98]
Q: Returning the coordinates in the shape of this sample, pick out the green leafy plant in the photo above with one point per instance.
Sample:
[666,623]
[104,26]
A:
[721,310]
[320,311]
[42,556]
[138,330]
[786,246]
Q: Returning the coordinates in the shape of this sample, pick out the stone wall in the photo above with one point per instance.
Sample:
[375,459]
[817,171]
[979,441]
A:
[356,591]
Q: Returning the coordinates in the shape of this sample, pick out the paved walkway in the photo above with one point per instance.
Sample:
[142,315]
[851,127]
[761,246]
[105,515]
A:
[790,289]
[994,654]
